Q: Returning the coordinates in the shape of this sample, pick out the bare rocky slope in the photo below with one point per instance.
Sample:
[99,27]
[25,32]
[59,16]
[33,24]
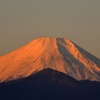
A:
[59,54]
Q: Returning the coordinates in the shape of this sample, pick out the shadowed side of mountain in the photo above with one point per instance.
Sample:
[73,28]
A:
[49,84]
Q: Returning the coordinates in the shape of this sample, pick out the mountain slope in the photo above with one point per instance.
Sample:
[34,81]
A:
[49,85]
[56,53]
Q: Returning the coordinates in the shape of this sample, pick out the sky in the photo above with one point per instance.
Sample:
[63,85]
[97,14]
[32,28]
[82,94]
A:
[21,21]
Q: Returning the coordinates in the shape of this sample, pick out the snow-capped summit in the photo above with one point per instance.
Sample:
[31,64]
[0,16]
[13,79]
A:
[59,54]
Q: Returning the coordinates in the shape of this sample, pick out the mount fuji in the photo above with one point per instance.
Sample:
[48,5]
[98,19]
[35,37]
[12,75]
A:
[59,54]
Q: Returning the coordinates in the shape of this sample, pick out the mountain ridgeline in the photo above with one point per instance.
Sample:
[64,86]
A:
[49,84]
[59,54]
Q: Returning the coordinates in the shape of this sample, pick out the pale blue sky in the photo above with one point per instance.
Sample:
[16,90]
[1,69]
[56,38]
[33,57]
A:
[23,20]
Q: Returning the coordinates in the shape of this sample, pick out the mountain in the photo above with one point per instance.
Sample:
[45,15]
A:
[49,84]
[59,54]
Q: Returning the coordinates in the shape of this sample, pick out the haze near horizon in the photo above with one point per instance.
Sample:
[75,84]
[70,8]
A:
[24,20]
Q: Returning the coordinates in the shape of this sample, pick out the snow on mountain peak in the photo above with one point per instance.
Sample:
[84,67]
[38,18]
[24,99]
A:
[56,53]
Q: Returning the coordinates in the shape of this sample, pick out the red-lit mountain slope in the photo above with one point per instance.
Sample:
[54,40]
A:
[56,53]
